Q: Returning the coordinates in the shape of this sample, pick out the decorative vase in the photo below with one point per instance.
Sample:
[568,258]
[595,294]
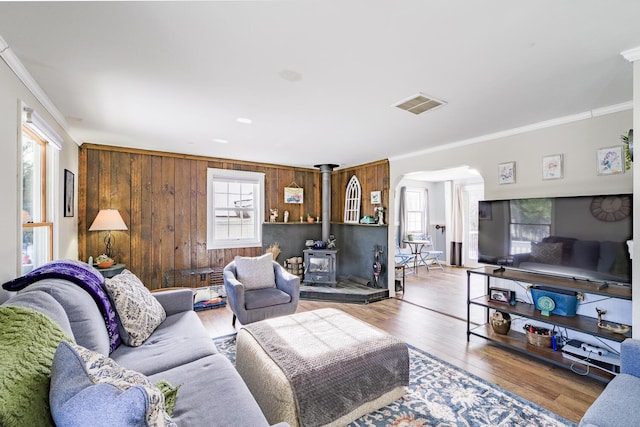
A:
[500,322]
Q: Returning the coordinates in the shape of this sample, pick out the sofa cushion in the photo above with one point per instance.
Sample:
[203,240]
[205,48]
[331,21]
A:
[266,297]
[620,397]
[585,254]
[88,388]
[28,342]
[84,316]
[139,313]
[255,272]
[45,304]
[546,253]
[211,385]
[180,339]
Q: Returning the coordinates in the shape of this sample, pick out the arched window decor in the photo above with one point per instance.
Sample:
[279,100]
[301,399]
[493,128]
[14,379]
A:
[352,201]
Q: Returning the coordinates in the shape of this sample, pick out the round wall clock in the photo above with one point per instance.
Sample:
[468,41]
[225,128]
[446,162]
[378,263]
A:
[546,305]
[611,208]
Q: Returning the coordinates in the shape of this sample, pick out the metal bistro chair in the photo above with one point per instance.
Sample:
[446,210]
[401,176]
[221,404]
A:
[404,258]
[429,257]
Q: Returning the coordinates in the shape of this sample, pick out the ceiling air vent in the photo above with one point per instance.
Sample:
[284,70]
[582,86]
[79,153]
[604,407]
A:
[418,104]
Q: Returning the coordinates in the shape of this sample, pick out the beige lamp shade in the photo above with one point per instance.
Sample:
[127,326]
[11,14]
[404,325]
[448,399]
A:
[108,219]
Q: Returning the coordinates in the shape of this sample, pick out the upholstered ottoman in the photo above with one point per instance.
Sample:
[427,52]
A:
[320,367]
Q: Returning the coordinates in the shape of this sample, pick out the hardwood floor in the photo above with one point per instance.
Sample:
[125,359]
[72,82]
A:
[418,319]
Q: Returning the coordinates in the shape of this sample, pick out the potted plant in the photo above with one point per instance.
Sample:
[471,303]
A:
[310,219]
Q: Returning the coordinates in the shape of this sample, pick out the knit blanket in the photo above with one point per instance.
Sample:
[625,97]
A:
[333,361]
[83,275]
[28,342]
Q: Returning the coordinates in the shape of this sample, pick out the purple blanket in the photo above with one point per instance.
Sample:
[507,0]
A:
[83,275]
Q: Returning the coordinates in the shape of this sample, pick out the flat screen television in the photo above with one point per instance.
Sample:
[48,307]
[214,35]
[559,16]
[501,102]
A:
[584,237]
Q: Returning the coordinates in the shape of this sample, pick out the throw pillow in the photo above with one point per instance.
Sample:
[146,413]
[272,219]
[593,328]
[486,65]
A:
[88,388]
[255,272]
[139,311]
[546,253]
[28,342]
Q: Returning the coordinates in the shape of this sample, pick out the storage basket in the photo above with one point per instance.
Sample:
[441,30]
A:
[538,339]
[566,301]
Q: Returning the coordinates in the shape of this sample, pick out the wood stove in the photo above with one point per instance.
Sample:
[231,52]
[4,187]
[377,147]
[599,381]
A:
[320,266]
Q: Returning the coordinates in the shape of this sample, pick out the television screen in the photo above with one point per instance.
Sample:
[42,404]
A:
[583,237]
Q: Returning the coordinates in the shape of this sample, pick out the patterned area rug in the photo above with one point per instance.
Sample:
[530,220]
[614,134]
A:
[442,395]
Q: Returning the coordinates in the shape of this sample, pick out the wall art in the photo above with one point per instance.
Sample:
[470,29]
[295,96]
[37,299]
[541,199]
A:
[552,167]
[69,179]
[507,173]
[610,160]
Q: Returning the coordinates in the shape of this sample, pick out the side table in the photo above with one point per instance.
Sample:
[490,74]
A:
[111,271]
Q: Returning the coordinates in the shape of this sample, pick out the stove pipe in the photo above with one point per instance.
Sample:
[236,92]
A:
[326,199]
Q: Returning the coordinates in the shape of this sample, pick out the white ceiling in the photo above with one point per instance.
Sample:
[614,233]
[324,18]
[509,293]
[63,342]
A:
[319,78]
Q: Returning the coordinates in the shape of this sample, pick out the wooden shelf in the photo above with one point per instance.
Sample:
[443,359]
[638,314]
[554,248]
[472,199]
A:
[518,342]
[567,283]
[577,323]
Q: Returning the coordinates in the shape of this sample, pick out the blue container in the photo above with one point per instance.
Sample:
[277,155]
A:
[566,301]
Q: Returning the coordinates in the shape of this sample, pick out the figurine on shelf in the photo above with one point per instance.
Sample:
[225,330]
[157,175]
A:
[380,215]
[286,216]
[274,215]
[616,328]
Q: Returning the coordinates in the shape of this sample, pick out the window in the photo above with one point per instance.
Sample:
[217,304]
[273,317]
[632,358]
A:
[530,222]
[235,208]
[37,227]
[415,211]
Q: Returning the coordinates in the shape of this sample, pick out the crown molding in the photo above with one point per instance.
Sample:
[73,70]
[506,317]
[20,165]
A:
[21,72]
[631,55]
[523,129]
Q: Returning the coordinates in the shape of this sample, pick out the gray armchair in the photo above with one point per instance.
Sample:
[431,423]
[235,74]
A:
[252,305]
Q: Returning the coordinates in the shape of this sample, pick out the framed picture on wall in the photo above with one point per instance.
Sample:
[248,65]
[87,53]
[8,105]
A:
[507,173]
[376,197]
[610,160]
[552,167]
[69,179]
[294,195]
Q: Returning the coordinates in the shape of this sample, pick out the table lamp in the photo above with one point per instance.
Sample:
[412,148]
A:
[108,220]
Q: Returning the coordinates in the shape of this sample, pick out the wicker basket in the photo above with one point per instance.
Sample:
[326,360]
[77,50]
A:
[539,340]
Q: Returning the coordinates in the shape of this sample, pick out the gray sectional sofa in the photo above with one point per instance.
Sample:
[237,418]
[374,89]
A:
[617,406]
[179,351]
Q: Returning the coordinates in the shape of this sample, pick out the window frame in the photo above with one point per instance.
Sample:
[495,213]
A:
[46,214]
[257,179]
[421,211]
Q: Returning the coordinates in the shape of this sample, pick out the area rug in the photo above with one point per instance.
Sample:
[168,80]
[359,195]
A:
[442,395]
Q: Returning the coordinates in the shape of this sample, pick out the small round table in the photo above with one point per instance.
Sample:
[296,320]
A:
[111,271]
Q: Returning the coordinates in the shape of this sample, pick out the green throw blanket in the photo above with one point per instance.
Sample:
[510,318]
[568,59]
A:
[28,341]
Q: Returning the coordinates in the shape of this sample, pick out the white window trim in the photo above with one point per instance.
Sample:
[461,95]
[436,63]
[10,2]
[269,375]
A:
[239,175]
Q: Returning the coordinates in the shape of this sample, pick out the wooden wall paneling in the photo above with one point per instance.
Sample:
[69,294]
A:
[202,256]
[120,199]
[155,241]
[297,210]
[82,204]
[93,241]
[145,229]
[167,216]
[163,199]
[182,221]
[135,216]
[271,183]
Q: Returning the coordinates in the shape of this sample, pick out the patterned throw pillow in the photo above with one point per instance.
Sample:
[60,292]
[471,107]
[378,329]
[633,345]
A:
[88,388]
[256,272]
[139,311]
[546,253]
